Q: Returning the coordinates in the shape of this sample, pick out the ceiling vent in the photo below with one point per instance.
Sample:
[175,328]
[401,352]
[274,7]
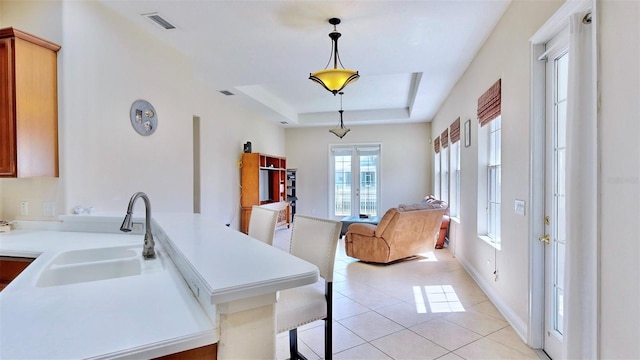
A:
[159,20]
[226,92]
[284,123]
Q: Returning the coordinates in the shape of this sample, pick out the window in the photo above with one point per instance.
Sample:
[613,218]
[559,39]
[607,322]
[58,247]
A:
[494,180]
[436,176]
[444,174]
[454,176]
[454,168]
[436,165]
[490,165]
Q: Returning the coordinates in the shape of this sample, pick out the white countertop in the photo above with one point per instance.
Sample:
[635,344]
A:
[144,316]
[229,264]
[137,316]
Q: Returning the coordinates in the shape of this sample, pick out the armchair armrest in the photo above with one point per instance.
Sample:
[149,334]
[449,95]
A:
[362,229]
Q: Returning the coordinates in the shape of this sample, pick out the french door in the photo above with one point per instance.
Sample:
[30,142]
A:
[557,69]
[355,180]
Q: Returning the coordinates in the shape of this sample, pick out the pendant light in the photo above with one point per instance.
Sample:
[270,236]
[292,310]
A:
[340,131]
[334,79]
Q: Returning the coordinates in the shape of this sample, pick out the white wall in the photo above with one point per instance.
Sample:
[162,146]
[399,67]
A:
[106,63]
[619,119]
[505,55]
[42,18]
[406,163]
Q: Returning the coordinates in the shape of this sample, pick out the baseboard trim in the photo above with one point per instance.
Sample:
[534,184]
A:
[518,325]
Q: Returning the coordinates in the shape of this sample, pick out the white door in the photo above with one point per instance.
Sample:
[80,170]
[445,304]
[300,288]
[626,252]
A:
[355,181]
[555,220]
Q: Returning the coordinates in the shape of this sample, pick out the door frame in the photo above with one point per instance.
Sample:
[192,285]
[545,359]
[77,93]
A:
[558,21]
[331,177]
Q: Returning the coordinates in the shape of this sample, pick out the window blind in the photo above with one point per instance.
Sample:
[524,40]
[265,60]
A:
[489,103]
[444,138]
[454,131]
[436,144]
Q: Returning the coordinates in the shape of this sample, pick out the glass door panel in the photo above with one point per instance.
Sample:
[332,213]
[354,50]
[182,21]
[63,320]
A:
[555,221]
[356,174]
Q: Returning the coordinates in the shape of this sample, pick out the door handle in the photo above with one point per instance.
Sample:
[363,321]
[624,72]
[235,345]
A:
[545,239]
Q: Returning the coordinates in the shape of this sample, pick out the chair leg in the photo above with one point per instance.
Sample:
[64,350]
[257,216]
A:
[293,346]
[328,322]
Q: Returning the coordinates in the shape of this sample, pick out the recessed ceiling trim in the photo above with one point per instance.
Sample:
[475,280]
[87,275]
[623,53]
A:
[159,20]
[413,90]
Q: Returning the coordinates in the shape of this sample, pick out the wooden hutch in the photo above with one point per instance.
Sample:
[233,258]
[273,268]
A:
[262,179]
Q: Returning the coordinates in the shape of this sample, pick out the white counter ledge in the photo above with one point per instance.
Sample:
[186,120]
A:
[230,264]
[235,279]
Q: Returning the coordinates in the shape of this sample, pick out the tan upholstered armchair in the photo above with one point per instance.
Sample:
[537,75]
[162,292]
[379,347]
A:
[402,232]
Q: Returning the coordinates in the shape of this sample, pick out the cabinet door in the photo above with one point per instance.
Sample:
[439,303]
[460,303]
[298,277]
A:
[7,123]
[10,268]
[36,109]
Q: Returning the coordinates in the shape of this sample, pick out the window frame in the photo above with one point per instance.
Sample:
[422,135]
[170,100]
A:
[436,175]
[494,174]
[454,179]
[444,175]
[490,162]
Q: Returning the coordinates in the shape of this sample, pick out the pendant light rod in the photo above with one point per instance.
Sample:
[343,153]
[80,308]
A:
[335,35]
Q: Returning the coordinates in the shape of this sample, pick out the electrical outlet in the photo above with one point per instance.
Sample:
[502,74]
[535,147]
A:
[24,208]
[49,209]
[519,207]
[137,227]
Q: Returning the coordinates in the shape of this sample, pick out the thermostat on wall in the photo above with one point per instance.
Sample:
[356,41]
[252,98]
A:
[144,118]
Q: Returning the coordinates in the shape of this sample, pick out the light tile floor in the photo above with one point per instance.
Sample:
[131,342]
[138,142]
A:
[426,308]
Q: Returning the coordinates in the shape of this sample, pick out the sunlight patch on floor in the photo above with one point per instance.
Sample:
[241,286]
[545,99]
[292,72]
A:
[437,299]
[428,256]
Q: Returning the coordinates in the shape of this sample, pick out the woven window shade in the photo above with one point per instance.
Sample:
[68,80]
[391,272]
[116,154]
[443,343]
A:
[454,131]
[444,138]
[489,103]
[436,144]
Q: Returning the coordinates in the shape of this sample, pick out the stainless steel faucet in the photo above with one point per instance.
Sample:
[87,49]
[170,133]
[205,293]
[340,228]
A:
[148,251]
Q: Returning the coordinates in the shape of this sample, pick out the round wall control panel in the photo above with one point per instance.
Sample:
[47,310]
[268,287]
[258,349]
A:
[144,118]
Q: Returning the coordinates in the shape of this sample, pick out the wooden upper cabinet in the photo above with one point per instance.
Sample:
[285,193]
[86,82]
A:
[28,105]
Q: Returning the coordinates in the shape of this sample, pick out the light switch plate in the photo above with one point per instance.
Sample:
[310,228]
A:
[519,207]
[49,209]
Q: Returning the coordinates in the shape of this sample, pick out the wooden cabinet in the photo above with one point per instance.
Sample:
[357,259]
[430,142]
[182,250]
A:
[208,352]
[10,268]
[262,179]
[292,198]
[28,105]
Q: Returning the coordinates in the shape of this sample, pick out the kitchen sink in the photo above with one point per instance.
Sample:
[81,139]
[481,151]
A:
[91,255]
[79,266]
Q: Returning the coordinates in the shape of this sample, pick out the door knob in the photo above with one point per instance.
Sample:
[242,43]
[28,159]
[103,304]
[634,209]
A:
[545,239]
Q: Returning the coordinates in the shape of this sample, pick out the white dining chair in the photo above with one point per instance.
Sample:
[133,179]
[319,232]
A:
[314,240]
[262,224]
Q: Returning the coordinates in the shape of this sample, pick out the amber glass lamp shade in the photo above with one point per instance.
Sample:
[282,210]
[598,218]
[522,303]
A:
[334,80]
